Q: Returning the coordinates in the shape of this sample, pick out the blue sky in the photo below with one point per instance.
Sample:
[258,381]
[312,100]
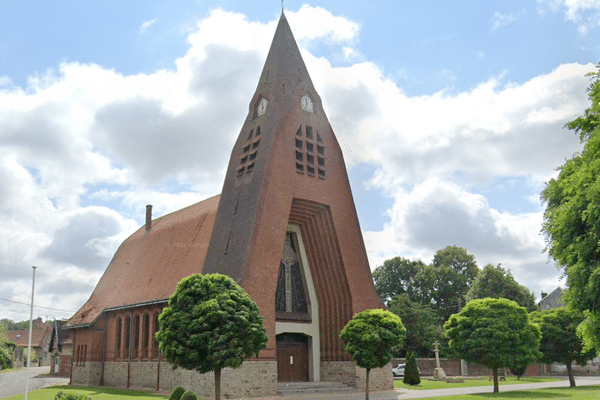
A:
[449,114]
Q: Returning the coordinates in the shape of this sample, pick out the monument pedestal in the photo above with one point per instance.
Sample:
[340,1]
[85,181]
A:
[439,374]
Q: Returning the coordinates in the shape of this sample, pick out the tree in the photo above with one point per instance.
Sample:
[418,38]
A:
[572,217]
[496,282]
[560,342]
[453,270]
[33,358]
[369,338]
[11,325]
[496,333]
[421,324]
[399,276]
[411,371]
[7,349]
[210,324]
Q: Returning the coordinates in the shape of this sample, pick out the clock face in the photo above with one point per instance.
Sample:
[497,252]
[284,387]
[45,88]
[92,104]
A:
[306,103]
[262,107]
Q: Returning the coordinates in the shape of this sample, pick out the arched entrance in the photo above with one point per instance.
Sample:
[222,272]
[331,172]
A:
[292,357]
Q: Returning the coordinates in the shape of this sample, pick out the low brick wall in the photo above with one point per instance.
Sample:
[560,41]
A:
[452,368]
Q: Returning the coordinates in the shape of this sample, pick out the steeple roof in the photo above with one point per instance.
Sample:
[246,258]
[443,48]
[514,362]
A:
[284,65]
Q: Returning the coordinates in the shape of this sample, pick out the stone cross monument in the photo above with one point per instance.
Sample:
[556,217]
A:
[438,372]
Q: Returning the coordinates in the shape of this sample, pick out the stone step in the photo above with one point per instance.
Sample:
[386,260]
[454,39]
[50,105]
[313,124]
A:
[297,388]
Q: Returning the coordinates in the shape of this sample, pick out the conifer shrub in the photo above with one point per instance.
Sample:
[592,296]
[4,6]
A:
[189,395]
[177,393]
[411,371]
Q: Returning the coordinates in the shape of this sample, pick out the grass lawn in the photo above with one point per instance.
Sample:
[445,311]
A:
[427,384]
[578,393]
[96,393]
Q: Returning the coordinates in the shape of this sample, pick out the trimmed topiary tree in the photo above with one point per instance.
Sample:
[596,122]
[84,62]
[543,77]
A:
[189,395]
[177,393]
[411,371]
[369,338]
[210,324]
[496,333]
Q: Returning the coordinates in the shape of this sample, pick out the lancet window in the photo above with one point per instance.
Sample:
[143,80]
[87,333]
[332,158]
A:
[290,296]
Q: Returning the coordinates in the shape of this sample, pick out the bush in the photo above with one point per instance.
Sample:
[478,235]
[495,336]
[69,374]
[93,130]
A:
[71,396]
[177,393]
[411,371]
[189,395]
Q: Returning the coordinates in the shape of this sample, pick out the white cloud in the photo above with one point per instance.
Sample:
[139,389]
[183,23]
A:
[501,20]
[146,25]
[83,149]
[584,13]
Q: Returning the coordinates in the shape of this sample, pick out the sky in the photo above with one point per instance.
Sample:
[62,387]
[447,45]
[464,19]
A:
[450,116]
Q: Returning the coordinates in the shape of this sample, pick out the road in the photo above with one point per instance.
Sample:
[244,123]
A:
[13,382]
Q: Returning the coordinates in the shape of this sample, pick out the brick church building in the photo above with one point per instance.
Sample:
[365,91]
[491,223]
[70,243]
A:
[284,227]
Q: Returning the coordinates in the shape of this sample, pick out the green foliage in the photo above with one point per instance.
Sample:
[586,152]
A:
[496,282]
[11,325]
[34,355]
[572,217]
[210,323]
[560,342]
[589,332]
[71,396]
[7,349]
[177,393]
[496,333]
[399,276]
[453,271]
[189,395]
[411,371]
[518,371]
[421,324]
[370,336]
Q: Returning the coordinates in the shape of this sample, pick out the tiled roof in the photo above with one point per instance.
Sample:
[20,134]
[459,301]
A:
[552,300]
[148,265]
[38,335]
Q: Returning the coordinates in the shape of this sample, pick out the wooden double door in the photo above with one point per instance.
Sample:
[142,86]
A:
[292,357]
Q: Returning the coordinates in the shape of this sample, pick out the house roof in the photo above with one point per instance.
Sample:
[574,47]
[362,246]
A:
[39,332]
[552,300]
[59,334]
[149,264]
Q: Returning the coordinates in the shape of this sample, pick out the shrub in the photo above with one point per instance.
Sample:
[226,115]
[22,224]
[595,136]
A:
[71,396]
[189,395]
[411,371]
[177,393]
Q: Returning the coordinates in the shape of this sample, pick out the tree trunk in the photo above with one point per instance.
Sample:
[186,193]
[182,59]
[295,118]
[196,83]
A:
[218,384]
[570,372]
[495,373]
[367,385]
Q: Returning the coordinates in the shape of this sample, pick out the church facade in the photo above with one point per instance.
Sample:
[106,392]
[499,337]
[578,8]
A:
[284,227]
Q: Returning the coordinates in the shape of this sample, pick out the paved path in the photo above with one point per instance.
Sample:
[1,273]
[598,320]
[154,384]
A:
[13,382]
[402,394]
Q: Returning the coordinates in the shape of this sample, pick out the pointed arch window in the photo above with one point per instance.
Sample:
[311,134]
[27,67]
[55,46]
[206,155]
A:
[291,301]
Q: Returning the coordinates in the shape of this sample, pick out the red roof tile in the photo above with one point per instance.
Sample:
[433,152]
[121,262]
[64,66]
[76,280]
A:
[148,265]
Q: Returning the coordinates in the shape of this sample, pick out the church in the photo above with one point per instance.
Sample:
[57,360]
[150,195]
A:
[284,227]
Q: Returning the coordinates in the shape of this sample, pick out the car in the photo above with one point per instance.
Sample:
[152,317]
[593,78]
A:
[398,370]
